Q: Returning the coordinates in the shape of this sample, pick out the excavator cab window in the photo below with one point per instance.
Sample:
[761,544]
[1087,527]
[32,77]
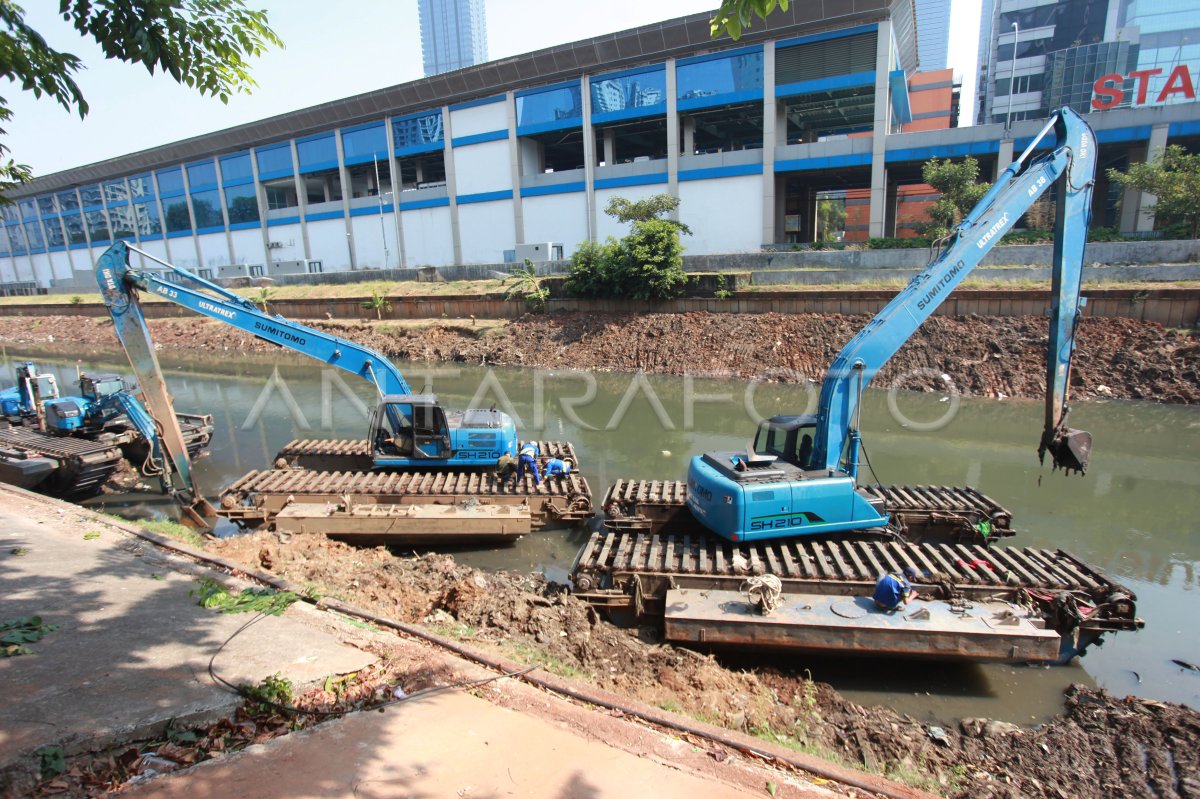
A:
[411,430]
[789,442]
[771,440]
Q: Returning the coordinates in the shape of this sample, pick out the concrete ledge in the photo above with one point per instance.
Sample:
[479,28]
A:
[1171,306]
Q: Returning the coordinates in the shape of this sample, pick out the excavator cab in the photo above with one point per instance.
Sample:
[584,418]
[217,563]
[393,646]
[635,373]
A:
[97,387]
[409,427]
[788,438]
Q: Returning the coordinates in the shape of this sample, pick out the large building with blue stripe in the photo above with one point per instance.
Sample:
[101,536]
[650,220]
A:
[467,166]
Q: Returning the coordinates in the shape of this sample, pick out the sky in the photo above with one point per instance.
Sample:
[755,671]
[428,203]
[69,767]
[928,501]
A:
[333,50]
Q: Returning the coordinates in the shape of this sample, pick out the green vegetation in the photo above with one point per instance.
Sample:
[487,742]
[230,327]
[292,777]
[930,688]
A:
[457,631]
[203,44]
[268,601]
[15,634]
[264,295]
[1174,180]
[645,265]
[378,303]
[275,690]
[734,16]
[831,219]
[170,529]
[958,184]
[536,655]
[528,286]
[52,761]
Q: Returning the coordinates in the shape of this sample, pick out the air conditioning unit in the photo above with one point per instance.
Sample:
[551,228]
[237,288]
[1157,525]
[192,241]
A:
[542,251]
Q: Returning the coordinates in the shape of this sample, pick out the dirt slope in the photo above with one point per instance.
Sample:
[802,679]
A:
[1101,746]
[985,356]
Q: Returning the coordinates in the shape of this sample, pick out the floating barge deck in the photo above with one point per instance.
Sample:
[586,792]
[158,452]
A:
[259,497]
[977,602]
[919,513]
[354,454]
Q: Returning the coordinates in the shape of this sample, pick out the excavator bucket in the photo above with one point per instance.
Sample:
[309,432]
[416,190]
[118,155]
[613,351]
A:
[1070,449]
[198,515]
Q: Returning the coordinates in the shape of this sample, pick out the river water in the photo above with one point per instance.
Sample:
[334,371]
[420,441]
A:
[1134,514]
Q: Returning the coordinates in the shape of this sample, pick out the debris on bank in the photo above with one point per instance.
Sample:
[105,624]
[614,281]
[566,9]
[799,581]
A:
[986,356]
[1099,747]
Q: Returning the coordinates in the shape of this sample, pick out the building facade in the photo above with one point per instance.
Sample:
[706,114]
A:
[933,34]
[468,166]
[1037,56]
[453,34]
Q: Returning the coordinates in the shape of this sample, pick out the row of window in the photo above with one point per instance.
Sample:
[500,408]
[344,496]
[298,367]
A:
[418,140]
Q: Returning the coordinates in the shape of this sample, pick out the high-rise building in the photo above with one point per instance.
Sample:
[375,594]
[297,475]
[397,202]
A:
[933,34]
[1091,55]
[453,35]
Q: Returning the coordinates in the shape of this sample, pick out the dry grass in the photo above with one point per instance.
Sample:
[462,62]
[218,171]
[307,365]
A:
[411,288]
[323,291]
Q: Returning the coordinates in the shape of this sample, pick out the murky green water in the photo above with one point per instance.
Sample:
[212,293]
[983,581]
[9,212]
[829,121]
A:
[1133,515]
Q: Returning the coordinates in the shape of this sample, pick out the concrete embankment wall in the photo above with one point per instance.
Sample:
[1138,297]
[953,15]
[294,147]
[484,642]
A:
[1174,307]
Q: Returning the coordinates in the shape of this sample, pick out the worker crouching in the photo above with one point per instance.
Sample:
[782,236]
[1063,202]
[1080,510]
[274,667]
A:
[893,591]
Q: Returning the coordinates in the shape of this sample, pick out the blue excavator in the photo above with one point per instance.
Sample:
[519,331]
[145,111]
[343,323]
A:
[800,476]
[407,430]
[69,443]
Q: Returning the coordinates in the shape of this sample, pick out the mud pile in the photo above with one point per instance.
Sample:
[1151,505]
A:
[1100,747]
[984,356]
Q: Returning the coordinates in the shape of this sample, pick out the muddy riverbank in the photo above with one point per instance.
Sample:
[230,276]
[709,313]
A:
[984,356]
[1100,746]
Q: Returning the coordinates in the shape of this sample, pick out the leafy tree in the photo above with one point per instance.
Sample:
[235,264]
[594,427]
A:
[653,207]
[831,219]
[646,265]
[594,268]
[956,181]
[1174,180]
[203,44]
[653,267]
[734,16]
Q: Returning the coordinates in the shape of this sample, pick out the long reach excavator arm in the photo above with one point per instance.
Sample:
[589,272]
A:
[800,478]
[407,430]
[1073,160]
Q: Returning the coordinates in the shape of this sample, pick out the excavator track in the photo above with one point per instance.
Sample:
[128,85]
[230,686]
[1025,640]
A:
[83,465]
[919,513]
[258,497]
[1003,603]
[354,454]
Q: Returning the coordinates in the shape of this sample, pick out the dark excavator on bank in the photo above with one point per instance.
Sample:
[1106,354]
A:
[70,445]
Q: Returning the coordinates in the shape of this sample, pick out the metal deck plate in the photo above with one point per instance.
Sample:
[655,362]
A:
[407,524]
[994,631]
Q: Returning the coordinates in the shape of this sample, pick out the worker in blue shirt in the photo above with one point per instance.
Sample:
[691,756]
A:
[527,461]
[892,591]
[559,467]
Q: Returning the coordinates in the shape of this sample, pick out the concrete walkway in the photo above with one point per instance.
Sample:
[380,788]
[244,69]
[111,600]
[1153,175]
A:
[132,648]
[450,745]
[132,653]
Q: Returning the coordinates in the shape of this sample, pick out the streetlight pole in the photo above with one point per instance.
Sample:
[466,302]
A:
[1012,78]
[382,227]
